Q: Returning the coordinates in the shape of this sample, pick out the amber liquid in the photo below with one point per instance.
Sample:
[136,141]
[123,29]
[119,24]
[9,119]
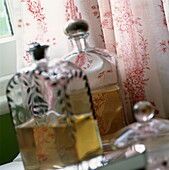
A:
[107,105]
[52,147]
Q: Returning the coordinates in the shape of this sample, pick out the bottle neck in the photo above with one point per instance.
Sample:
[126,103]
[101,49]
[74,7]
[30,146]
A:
[79,42]
[42,64]
[40,59]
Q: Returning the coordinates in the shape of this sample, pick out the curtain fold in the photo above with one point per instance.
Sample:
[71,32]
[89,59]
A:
[137,30]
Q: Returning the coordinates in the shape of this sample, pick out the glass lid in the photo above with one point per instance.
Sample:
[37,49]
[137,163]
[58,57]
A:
[146,128]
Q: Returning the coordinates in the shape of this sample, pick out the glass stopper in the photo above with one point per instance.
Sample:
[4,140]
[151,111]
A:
[143,111]
[37,50]
[76,27]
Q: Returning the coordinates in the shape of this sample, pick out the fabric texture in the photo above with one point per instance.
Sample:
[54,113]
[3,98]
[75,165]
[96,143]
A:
[136,30]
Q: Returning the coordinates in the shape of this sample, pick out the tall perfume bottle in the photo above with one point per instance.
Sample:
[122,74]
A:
[101,70]
[50,135]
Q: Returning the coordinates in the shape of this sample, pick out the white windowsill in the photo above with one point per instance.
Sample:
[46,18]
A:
[3,100]
[3,105]
[7,39]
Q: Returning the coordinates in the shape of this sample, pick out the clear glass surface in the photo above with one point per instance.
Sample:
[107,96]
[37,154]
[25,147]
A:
[5,22]
[150,131]
[101,69]
[50,130]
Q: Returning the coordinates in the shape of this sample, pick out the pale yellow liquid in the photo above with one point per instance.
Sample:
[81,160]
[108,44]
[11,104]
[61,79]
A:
[45,147]
[107,105]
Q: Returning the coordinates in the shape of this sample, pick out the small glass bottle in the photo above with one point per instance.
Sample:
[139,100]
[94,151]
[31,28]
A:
[50,135]
[101,70]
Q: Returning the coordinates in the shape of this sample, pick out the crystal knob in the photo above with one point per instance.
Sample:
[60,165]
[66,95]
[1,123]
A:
[76,27]
[38,50]
[143,111]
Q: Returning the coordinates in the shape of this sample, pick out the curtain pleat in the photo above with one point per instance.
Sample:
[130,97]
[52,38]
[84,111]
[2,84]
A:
[136,30]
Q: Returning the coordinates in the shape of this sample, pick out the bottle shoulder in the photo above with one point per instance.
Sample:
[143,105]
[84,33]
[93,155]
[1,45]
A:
[98,64]
[101,53]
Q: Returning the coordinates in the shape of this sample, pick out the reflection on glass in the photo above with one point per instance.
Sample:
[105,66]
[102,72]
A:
[148,130]
[5,23]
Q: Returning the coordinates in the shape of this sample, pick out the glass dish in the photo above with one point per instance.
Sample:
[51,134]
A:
[150,131]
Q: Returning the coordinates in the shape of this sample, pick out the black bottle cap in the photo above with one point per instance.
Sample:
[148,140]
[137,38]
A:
[38,50]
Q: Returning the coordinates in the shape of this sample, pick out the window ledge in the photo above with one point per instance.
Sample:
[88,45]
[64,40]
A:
[7,39]
[3,100]
[3,105]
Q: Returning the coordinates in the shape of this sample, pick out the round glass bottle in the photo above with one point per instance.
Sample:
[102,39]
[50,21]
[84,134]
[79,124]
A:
[101,69]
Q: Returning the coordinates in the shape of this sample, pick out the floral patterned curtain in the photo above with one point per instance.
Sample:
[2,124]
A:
[137,30]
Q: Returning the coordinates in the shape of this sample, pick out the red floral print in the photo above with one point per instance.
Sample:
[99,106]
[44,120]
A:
[102,37]
[51,41]
[102,74]
[84,60]
[98,101]
[164,44]
[135,81]
[72,11]
[162,10]
[40,135]
[102,129]
[125,21]
[27,58]
[21,24]
[95,11]
[106,21]
[37,11]
[133,52]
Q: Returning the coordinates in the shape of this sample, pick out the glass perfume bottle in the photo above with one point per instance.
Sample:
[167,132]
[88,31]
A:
[150,131]
[50,135]
[102,73]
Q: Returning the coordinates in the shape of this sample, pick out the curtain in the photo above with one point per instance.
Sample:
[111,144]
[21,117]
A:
[136,30]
